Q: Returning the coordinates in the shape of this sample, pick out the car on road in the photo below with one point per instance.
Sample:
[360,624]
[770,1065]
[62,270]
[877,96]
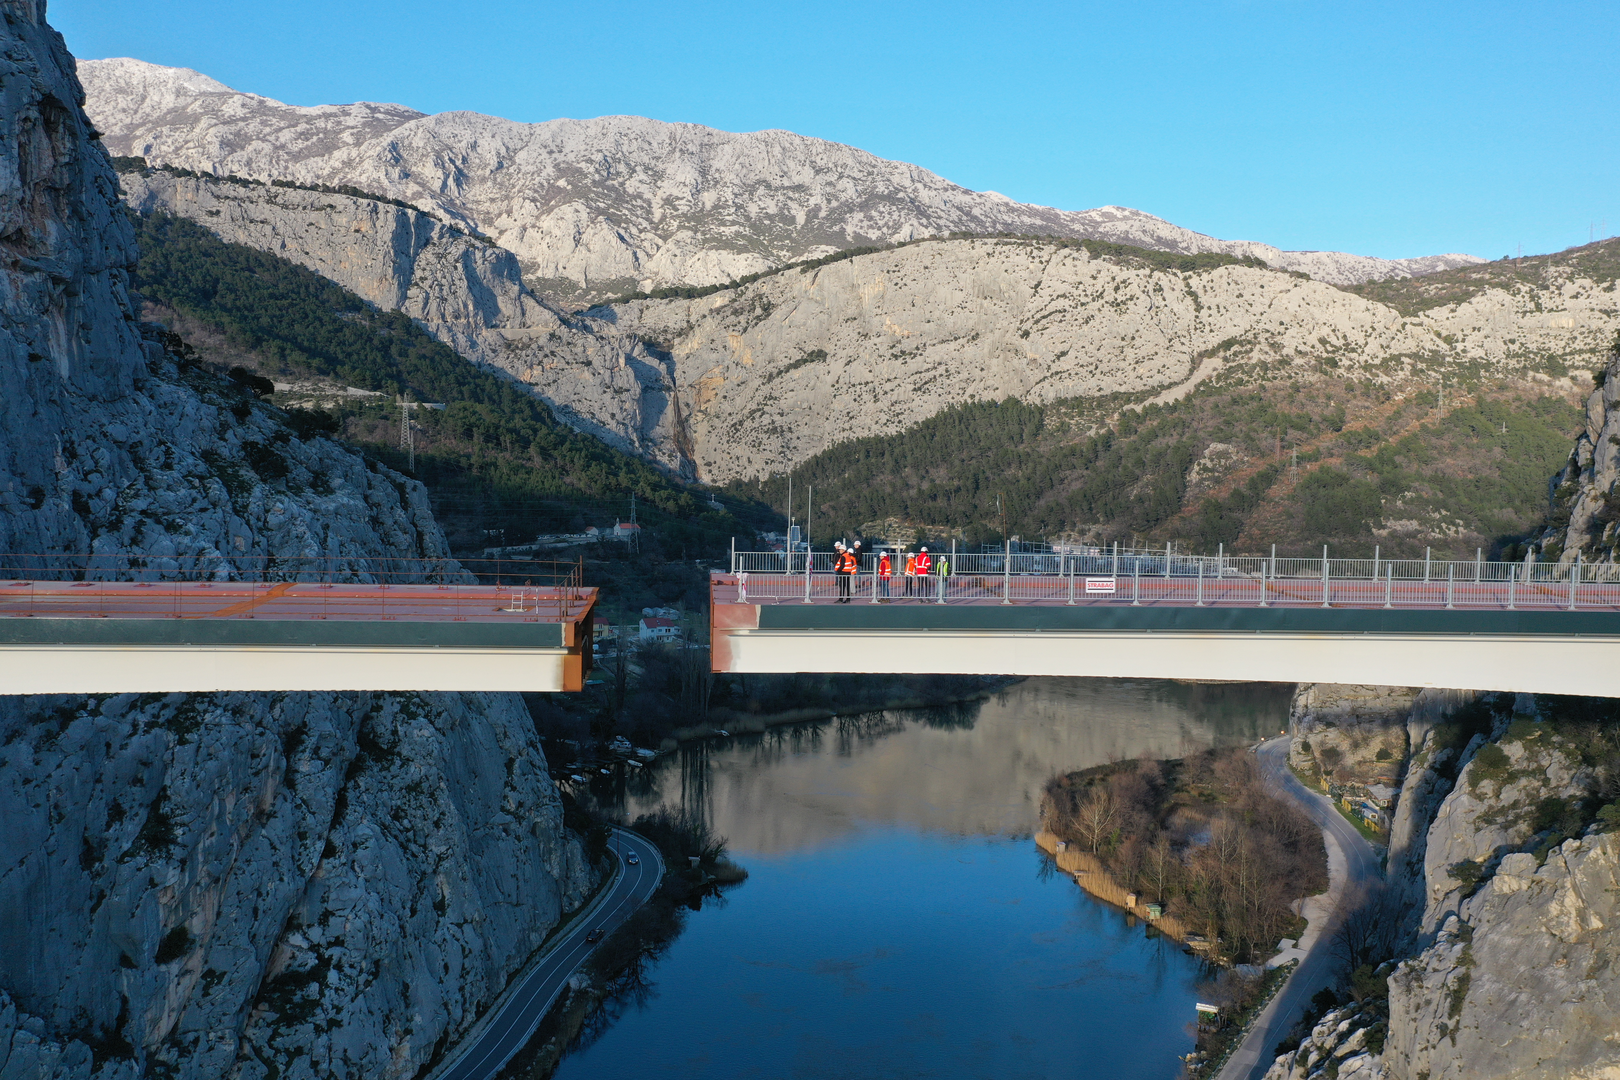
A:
[594,936]
[633,859]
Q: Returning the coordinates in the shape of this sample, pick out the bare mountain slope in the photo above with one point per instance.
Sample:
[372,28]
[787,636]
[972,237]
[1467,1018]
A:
[593,208]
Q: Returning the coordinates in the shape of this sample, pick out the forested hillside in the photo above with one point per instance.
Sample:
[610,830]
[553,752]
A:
[494,459]
[1300,463]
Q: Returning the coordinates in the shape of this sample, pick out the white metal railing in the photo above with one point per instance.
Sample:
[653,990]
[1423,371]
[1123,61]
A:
[1143,576]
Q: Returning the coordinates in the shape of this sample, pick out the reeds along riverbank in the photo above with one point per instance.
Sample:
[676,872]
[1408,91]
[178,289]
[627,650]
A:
[1089,873]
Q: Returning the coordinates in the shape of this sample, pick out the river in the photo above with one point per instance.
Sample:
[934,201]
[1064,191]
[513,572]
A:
[898,920]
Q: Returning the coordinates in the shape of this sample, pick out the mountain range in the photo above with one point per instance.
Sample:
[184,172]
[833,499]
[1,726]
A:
[600,207]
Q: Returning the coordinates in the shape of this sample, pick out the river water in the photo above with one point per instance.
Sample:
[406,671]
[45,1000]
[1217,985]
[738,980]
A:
[898,920]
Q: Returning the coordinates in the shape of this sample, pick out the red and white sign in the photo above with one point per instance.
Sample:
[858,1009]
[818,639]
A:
[1096,585]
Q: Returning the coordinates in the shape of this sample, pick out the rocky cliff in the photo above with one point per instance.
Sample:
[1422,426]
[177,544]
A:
[726,386]
[1586,494]
[1504,869]
[598,207]
[241,885]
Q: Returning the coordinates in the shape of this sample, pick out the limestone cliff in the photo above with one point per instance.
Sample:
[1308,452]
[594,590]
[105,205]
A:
[752,380]
[1586,493]
[223,885]
[1504,868]
[464,290]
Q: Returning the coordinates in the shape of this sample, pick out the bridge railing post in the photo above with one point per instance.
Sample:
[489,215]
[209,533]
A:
[1006,574]
[1071,567]
[1136,583]
[809,561]
[1574,579]
[1200,584]
[1389,585]
[1513,577]
[1450,585]
[1324,576]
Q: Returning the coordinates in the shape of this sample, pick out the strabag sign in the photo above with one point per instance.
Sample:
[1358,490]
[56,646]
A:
[1099,586]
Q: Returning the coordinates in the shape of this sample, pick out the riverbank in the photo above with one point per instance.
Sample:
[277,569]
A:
[735,722]
[1090,874]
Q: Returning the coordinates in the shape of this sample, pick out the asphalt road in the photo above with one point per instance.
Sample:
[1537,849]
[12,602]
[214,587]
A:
[1253,1057]
[515,1018]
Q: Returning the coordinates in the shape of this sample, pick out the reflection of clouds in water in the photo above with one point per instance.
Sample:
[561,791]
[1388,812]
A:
[803,787]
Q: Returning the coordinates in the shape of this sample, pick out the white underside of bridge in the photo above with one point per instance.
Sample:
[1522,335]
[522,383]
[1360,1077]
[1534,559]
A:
[107,669]
[1541,664]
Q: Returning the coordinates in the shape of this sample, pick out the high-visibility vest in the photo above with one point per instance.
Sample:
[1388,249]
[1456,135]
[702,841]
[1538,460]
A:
[911,564]
[846,563]
[884,569]
[922,564]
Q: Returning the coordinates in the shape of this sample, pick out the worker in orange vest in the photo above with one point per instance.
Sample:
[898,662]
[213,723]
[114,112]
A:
[924,565]
[885,571]
[844,567]
[911,570]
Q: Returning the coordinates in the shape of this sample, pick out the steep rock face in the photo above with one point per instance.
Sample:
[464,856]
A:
[234,884]
[1588,488]
[593,207]
[205,885]
[465,291]
[1350,733]
[1492,811]
[1520,983]
[398,258]
[780,369]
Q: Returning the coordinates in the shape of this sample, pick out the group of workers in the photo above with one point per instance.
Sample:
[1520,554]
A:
[917,564]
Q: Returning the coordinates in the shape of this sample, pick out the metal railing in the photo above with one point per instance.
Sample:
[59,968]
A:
[1160,577]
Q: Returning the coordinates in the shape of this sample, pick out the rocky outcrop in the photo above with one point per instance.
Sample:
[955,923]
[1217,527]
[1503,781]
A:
[1507,891]
[1346,1044]
[1586,493]
[1520,982]
[1496,808]
[1350,734]
[223,885]
[598,207]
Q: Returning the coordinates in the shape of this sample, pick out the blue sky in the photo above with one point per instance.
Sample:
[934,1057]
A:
[1390,129]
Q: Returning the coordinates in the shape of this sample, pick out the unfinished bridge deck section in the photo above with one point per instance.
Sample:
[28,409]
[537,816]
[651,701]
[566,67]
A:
[1499,626]
[103,636]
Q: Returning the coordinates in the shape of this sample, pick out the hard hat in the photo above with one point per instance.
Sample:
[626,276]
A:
[925,549]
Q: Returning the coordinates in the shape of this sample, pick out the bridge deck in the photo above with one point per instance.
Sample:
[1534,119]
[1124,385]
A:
[108,637]
[1539,635]
[291,600]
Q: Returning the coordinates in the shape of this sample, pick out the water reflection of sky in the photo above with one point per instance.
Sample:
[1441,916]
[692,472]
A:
[897,921]
[972,770]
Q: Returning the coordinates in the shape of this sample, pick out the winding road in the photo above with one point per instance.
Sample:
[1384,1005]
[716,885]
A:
[513,1019]
[1351,861]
